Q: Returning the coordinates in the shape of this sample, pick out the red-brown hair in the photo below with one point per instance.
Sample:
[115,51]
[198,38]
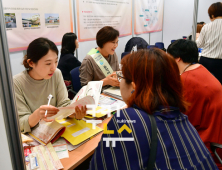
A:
[215,10]
[157,79]
[199,28]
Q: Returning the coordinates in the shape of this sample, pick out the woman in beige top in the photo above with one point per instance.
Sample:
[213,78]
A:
[107,41]
[33,86]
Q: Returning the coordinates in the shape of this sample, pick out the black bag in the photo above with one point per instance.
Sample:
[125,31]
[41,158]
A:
[153,145]
[140,42]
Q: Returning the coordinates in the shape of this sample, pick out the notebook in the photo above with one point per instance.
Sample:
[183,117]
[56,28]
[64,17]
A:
[114,92]
[93,88]
[46,132]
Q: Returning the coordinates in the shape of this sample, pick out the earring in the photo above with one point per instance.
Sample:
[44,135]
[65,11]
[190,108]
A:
[132,91]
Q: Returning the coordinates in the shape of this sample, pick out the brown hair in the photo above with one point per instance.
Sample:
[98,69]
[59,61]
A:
[215,9]
[37,49]
[157,79]
[106,34]
[199,28]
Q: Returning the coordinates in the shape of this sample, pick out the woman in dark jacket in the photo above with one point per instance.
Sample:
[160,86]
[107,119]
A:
[67,60]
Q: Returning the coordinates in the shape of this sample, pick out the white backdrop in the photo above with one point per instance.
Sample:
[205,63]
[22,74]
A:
[148,16]
[176,23]
[35,19]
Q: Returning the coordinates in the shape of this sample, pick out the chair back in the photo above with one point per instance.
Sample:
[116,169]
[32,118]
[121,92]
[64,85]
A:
[76,85]
[151,46]
[172,41]
[159,45]
[124,54]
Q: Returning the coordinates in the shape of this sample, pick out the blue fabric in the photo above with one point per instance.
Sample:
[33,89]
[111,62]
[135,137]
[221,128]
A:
[159,45]
[179,145]
[76,85]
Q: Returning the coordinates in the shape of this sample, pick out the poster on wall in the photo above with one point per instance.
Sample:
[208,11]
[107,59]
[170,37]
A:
[148,16]
[92,15]
[27,20]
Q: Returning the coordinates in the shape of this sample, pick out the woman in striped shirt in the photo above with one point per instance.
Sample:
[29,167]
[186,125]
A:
[151,84]
[210,39]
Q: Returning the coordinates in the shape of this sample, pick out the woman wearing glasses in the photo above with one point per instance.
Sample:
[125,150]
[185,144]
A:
[150,84]
[100,63]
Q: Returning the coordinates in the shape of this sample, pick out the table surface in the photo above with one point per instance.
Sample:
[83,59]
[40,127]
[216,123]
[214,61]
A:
[80,154]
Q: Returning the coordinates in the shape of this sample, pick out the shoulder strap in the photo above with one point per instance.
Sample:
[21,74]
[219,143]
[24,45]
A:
[153,145]
[101,62]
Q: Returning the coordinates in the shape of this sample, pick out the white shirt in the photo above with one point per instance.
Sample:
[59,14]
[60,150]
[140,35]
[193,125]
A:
[210,39]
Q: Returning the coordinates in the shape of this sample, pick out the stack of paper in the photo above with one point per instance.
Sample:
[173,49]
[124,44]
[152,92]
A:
[46,157]
[114,92]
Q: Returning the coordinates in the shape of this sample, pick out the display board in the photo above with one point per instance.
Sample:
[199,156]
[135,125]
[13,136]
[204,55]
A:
[92,15]
[27,20]
[148,16]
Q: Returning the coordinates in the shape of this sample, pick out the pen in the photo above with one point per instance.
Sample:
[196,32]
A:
[49,99]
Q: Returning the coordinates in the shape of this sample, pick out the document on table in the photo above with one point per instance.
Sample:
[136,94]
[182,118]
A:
[47,157]
[113,103]
[61,148]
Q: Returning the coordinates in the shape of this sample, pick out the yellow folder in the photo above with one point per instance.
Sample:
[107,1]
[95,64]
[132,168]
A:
[78,131]
[100,112]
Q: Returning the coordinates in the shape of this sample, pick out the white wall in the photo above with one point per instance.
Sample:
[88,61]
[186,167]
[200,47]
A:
[5,159]
[203,10]
[178,18]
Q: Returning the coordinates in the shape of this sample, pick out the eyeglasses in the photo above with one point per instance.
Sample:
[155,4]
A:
[119,75]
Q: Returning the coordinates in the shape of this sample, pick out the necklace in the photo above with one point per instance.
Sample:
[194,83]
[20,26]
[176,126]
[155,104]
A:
[186,67]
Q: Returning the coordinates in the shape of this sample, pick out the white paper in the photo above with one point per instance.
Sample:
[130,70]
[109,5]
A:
[68,110]
[93,88]
[80,132]
[61,148]
[113,103]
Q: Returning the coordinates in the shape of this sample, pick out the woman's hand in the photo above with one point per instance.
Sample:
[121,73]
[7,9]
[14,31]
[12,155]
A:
[51,111]
[111,80]
[39,114]
[79,113]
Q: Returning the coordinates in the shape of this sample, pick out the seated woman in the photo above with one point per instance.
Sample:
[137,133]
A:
[151,85]
[33,85]
[67,60]
[101,62]
[203,91]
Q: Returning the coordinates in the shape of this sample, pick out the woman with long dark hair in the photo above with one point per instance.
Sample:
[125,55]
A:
[67,60]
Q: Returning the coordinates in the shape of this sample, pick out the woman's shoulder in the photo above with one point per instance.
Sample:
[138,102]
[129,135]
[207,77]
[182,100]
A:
[20,77]
[132,113]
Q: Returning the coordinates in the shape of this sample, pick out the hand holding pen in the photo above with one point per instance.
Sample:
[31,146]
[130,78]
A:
[49,99]
[48,110]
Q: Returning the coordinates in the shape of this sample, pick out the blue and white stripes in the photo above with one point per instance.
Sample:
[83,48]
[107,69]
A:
[179,145]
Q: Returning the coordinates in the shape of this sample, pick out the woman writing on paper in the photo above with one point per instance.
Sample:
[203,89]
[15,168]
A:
[40,79]
[150,85]
[101,62]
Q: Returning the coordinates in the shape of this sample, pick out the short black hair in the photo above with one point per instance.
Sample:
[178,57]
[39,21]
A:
[68,43]
[106,34]
[37,49]
[185,49]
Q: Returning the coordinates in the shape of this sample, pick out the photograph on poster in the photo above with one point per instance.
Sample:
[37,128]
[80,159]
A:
[10,20]
[51,19]
[31,19]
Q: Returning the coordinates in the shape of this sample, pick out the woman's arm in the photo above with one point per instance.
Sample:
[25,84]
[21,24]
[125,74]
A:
[86,72]
[201,38]
[27,119]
